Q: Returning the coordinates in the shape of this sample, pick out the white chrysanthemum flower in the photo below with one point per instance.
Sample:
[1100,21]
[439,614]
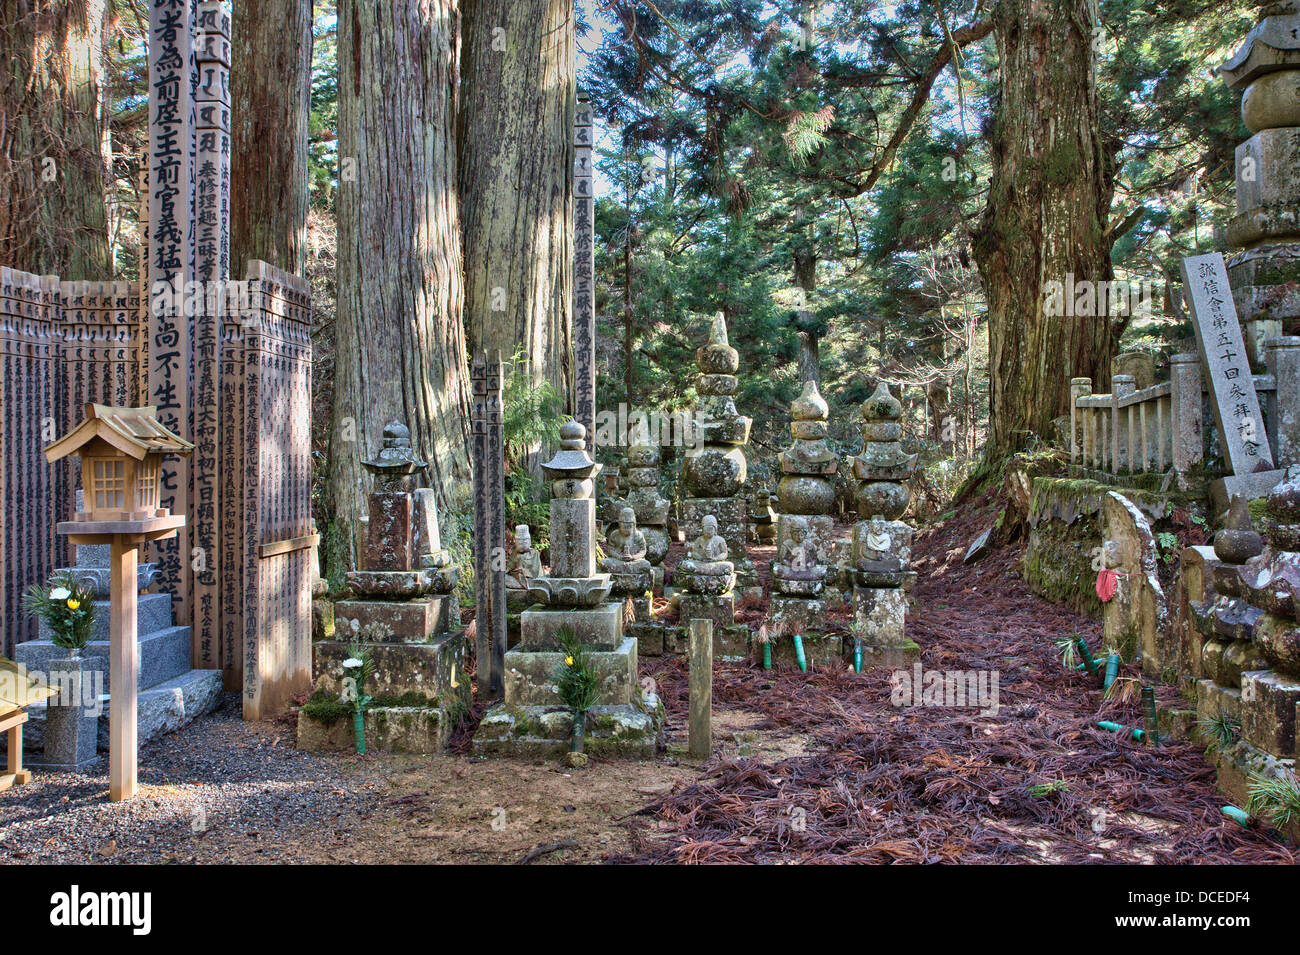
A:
[60,593]
[352,663]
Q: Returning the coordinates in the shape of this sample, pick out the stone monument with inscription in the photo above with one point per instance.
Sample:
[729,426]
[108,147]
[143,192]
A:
[1242,435]
[573,597]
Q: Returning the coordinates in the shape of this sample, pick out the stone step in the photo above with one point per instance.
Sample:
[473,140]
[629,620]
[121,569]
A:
[159,709]
[152,612]
[164,654]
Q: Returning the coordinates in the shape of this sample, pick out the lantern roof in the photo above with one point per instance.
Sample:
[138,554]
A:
[135,432]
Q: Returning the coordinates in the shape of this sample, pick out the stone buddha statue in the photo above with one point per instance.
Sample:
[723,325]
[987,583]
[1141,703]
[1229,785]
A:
[625,559]
[797,569]
[524,564]
[625,546]
[705,568]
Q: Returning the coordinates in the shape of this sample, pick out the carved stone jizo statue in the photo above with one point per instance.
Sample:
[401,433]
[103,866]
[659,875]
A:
[705,569]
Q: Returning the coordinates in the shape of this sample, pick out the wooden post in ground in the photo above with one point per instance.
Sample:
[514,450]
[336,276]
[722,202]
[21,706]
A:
[701,682]
[124,670]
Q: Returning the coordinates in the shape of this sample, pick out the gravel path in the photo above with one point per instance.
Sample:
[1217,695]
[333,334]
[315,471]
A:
[215,782]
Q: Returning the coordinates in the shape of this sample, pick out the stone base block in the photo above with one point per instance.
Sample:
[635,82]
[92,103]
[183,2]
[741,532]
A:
[894,658]
[1268,708]
[531,675]
[160,709]
[720,608]
[164,654]
[630,730]
[653,639]
[391,621]
[1213,701]
[730,644]
[881,612]
[388,729]
[430,671]
[153,612]
[819,650]
[600,627]
[796,614]
[1238,764]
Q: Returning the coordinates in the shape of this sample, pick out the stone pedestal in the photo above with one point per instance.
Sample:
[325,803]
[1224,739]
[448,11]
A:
[402,612]
[71,736]
[880,614]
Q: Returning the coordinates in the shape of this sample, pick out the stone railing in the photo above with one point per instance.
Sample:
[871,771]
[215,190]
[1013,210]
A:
[1151,430]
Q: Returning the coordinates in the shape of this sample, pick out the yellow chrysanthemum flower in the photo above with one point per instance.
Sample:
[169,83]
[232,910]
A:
[73,604]
[568,661]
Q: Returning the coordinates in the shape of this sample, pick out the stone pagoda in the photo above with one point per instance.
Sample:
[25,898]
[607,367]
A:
[402,610]
[882,543]
[805,530]
[715,469]
[1265,277]
[574,597]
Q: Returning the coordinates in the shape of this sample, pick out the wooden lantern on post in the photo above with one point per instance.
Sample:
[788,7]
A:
[121,451]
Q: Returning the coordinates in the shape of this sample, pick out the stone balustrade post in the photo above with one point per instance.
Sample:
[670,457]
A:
[1121,386]
[1187,445]
[1079,388]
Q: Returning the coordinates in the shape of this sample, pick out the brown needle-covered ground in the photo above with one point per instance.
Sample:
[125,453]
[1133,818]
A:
[1038,782]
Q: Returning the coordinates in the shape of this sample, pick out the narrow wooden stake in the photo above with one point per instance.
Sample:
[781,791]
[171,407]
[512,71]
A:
[701,719]
[124,669]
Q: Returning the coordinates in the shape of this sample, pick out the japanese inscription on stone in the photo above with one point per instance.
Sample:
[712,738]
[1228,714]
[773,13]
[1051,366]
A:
[1236,407]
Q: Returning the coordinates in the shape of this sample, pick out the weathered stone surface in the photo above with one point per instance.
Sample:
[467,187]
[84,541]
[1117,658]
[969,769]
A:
[573,537]
[388,729]
[531,675]
[401,584]
[388,534]
[979,546]
[880,612]
[796,614]
[433,670]
[632,730]
[391,621]
[1278,638]
[719,608]
[650,638]
[1268,708]
[819,649]
[599,627]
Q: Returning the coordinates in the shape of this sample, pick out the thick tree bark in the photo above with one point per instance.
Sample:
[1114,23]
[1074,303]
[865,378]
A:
[1046,216]
[805,276]
[270,103]
[54,143]
[400,345]
[516,181]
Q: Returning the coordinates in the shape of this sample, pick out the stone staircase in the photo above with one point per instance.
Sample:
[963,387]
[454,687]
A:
[170,692]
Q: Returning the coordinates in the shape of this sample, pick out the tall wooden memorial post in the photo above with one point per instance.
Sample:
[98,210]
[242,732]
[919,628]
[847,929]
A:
[489,524]
[584,272]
